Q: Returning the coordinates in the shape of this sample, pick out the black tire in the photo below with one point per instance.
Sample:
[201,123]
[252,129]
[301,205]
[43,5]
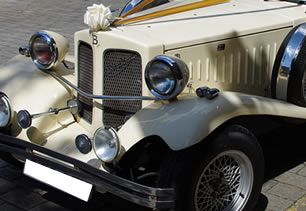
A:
[296,90]
[234,149]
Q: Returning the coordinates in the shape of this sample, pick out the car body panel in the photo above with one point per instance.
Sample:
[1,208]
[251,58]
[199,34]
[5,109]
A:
[230,46]
[245,52]
[241,64]
[221,21]
[132,40]
[190,119]
[36,91]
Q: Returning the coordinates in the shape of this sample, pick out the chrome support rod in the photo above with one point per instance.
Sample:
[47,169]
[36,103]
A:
[102,97]
[24,118]
[52,110]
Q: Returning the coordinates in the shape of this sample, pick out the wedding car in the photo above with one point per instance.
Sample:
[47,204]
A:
[161,106]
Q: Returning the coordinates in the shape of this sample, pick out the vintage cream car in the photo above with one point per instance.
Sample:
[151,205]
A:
[160,106]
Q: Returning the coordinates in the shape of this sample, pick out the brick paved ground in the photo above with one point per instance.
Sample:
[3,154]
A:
[285,186]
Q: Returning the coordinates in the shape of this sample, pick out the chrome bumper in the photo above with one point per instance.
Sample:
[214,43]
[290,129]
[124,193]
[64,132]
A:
[162,198]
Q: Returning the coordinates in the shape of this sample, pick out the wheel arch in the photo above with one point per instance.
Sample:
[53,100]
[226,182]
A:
[187,165]
[288,74]
[155,144]
[189,120]
[256,124]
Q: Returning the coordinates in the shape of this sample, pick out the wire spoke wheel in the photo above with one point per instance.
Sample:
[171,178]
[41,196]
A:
[225,183]
[223,173]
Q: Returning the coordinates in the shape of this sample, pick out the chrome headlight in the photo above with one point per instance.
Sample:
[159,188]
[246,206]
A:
[5,111]
[106,144]
[47,49]
[166,76]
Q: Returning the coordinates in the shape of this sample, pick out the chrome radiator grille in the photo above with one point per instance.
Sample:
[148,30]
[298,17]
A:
[122,77]
[85,79]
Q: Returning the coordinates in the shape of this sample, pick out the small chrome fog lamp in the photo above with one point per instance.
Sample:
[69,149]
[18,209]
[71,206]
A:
[47,49]
[83,143]
[5,111]
[106,144]
[166,76]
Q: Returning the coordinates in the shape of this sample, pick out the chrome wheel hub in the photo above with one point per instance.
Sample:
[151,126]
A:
[225,183]
[218,186]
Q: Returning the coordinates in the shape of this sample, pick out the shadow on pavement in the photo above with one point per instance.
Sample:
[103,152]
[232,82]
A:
[284,149]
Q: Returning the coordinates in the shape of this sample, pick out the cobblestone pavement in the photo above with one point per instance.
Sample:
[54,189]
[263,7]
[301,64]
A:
[285,186]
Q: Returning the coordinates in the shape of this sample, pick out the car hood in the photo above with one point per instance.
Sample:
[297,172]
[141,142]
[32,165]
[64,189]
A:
[231,19]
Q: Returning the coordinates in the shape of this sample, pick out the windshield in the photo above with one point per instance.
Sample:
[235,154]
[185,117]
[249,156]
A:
[137,10]
[132,4]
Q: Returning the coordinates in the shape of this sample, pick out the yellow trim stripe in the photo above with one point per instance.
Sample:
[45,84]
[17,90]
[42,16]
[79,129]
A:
[170,11]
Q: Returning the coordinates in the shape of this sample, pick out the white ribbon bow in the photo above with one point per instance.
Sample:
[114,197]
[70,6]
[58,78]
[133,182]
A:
[98,17]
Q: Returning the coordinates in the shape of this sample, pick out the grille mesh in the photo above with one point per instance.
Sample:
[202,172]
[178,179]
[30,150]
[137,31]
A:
[122,77]
[85,79]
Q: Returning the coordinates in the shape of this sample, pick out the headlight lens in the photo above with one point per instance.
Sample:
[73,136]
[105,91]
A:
[5,111]
[43,50]
[106,144]
[166,76]
[162,78]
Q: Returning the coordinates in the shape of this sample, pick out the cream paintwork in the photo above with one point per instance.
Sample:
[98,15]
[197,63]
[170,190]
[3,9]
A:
[253,27]
[223,21]
[126,39]
[190,119]
[244,65]
[36,91]
[254,51]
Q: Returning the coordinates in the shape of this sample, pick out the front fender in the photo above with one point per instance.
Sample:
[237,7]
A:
[190,119]
[36,91]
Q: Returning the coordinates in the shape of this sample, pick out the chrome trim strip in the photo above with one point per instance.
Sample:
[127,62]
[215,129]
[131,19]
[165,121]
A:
[52,111]
[291,51]
[102,97]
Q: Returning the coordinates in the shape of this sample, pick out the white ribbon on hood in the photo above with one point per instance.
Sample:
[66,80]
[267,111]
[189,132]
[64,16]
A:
[98,17]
